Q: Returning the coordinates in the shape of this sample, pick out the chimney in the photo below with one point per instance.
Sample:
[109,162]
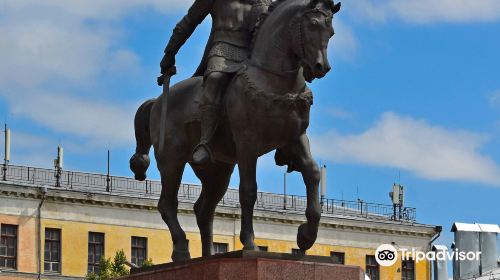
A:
[466,240]
[440,266]
[488,243]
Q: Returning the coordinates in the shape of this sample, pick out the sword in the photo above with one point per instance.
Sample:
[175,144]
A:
[165,81]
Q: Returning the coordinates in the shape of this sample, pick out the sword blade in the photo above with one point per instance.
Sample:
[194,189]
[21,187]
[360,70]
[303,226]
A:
[163,114]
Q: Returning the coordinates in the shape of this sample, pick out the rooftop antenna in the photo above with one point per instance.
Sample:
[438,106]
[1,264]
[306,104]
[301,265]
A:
[397,197]
[108,177]
[58,165]
[323,184]
[6,153]
[284,191]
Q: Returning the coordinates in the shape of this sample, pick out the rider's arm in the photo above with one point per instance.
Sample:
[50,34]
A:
[183,30]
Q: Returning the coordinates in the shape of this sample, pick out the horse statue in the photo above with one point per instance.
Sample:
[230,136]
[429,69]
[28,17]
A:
[265,107]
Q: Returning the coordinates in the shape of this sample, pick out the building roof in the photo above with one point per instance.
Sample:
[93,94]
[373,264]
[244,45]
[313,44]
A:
[465,227]
[475,227]
[188,193]
[489,228]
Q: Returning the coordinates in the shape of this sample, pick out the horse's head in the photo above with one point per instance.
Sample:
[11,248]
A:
[311,31]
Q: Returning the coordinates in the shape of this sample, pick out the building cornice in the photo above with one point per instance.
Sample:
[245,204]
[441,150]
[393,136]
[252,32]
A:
[343,223]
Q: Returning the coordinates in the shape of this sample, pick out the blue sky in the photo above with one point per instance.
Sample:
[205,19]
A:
[414,90]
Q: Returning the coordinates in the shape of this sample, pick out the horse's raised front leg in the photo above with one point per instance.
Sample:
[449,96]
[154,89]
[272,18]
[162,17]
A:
[298,156]
[171,174]
[247,165]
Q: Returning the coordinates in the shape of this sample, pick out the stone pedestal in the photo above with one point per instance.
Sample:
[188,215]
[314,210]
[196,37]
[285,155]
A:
[250,265]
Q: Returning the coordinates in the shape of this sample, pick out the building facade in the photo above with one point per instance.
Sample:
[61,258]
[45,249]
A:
[51,232]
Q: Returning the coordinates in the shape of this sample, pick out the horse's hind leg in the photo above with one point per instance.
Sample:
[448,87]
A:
[298,155]
[247,165]
[215,180]
[171,175]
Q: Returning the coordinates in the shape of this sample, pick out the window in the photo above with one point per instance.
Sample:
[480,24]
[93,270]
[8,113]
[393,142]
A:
[139,250]
[408,271]
[52,253]
[297,252]
[372,268]
[96,251]
[263,248]
[8,246]
[220,247]
[338,257]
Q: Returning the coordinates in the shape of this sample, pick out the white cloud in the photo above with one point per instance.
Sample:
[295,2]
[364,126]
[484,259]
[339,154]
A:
[31,149]
[431,152]
[495,98]
[124,62]
[339,113]
[89,9]
[54,53]
[427,11]
[36,50]
[344,43]
[96,121]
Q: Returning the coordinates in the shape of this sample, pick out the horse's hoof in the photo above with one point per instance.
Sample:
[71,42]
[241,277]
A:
[209,251]
[246,239]
[179,256]
[305,237]
[139,164]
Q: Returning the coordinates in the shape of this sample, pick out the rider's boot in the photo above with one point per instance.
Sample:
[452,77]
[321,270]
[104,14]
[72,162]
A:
[202,153]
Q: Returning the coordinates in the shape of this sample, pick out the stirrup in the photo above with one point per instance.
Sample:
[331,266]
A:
[207,149]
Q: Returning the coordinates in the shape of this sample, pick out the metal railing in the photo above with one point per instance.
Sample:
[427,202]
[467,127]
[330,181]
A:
[123,186]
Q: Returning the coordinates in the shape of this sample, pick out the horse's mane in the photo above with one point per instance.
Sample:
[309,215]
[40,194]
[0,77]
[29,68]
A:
[270,9]
[262,18]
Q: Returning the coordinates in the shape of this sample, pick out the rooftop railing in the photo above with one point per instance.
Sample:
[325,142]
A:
[123,186]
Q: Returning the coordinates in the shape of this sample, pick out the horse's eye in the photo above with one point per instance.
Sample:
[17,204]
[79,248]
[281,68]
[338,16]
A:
[314,21]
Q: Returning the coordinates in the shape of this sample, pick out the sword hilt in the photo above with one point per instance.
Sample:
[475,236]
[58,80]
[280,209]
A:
[167,74]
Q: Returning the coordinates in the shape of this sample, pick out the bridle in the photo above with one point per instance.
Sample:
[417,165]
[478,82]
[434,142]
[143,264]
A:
[296,32]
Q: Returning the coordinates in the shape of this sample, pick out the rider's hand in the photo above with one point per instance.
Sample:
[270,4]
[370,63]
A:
[166,63]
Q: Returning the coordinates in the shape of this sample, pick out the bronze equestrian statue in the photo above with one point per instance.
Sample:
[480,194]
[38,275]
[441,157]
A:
[255,69]
[233,22]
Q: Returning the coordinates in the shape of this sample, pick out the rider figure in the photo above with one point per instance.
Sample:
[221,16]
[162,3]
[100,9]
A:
[228,46]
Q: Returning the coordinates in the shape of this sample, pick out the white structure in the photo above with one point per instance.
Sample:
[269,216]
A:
[472,238]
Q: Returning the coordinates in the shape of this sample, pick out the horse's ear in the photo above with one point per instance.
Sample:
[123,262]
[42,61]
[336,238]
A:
[336,8]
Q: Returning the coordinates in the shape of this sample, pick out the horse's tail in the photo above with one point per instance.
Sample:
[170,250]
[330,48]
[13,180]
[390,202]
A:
[140,161]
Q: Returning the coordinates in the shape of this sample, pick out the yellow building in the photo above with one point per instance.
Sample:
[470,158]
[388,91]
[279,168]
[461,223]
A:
[53,232]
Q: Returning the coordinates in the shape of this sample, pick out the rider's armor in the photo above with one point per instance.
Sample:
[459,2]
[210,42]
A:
[233,22]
